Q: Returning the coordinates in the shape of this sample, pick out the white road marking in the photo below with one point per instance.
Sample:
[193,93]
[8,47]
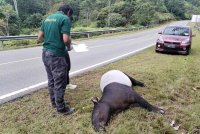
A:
[6,63]
[12,62]
[22,90]
[19,61]
[73,73]
[107,61]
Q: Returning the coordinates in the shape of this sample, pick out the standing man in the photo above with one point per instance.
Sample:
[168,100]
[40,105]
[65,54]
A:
[55,33]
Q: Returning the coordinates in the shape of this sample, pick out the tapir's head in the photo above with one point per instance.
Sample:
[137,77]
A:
[100,114]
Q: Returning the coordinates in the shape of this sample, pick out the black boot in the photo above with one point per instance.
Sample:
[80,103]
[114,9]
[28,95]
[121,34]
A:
[66,110]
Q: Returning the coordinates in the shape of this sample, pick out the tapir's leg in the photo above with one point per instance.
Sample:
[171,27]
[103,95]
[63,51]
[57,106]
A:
[135,82]
[143,103]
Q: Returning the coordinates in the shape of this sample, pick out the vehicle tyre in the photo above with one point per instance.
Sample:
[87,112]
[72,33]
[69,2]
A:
[188,50]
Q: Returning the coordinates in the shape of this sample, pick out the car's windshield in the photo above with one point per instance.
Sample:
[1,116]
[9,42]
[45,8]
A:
[179,31]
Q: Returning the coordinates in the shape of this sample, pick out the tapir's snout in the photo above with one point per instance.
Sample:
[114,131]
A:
[99,127]
[99,119]
[100,114]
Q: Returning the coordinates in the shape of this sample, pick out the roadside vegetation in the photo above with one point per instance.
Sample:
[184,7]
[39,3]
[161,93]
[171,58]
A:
[17,44]
[172,82]
[24,17]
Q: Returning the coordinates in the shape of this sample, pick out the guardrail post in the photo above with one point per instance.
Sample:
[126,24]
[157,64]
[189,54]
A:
[1,44]
[88,35]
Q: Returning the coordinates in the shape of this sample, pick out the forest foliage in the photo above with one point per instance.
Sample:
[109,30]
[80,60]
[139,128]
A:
[24,16]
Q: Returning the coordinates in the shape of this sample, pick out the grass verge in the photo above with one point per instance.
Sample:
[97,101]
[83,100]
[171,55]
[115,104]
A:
[172,82]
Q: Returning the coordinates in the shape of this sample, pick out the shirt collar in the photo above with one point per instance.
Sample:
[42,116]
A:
[60,12]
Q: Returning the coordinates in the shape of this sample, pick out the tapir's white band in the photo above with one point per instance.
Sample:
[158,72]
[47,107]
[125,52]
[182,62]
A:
[114,76]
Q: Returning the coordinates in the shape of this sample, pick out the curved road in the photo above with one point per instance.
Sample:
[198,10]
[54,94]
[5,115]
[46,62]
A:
[22,70]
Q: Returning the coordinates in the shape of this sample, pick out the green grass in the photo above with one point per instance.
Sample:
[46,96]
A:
[169,80]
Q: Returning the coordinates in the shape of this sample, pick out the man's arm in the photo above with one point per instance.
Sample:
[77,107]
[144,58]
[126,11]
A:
[67,41]
[41,36]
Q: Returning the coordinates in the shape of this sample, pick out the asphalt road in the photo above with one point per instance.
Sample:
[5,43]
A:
[22,70]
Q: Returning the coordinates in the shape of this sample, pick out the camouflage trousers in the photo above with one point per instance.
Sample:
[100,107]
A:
[56,68]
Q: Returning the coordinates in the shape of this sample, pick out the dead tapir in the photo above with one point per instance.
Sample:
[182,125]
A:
[117,96]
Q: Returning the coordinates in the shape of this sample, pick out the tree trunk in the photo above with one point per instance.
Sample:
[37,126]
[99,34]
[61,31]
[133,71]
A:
[7,29]
[16,9]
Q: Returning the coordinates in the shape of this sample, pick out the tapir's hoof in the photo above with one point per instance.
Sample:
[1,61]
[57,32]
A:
[158,110]
[161,111]
[142,85]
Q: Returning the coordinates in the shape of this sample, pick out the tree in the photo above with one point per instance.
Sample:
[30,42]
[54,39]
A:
[6,11]
[102,17]
[75,4]
[159,6]
[100,13]
[34,21]
[9,20]
[86,9]
[14,25]
[116,20]
[176,7]
[2,28]
[16,8]
[126,9]
[144,12]
[194,2]
[190,10]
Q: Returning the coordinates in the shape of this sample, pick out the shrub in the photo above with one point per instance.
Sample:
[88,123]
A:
[102,17]
[2,28]
[33,21]
[116,20]
[26,31]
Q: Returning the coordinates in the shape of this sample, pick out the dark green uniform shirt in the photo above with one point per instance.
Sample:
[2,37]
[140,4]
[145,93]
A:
[53,27]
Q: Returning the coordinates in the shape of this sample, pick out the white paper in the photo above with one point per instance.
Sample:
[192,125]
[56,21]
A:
[80,48]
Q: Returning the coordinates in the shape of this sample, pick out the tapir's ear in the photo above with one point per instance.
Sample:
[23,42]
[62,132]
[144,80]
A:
[95,100]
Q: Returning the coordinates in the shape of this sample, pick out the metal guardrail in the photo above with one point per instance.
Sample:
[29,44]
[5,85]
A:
[6,38]
[109,31]
[87,33]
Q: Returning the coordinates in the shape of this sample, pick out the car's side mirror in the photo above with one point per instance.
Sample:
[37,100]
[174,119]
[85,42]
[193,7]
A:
[159,32]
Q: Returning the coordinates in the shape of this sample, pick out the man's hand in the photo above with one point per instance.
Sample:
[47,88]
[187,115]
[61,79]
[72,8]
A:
[70,47]
[41,37]
[66,39]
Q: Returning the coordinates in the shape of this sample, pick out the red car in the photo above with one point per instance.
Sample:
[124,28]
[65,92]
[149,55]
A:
[175,39]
